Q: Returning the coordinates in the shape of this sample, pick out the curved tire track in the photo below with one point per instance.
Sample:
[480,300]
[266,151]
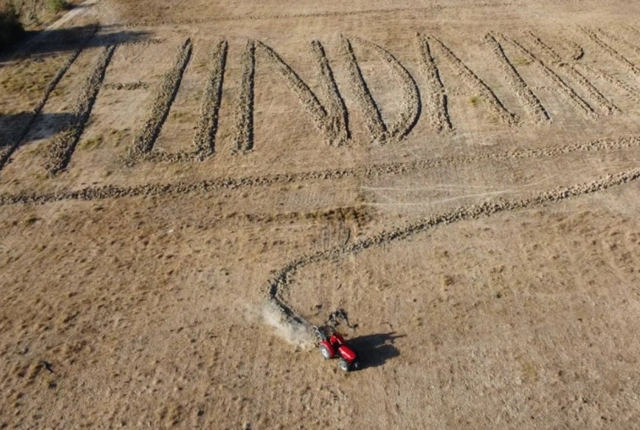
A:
[282,279]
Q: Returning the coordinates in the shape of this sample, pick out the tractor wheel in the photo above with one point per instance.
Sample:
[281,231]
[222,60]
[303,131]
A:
[325,352]
[343,365]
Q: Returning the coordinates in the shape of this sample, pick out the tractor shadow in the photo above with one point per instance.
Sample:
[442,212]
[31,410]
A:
[375,349]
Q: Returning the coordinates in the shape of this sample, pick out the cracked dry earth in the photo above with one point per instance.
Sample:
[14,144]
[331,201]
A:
[184,190]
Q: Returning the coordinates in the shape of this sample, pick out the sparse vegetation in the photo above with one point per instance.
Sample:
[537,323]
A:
[522,61]
[91,143]
[11,29]
[57,6]
[30,220]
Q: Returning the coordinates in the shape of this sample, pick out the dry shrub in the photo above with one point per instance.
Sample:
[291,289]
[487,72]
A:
[57,6]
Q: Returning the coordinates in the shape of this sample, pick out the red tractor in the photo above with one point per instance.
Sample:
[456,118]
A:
[332,344]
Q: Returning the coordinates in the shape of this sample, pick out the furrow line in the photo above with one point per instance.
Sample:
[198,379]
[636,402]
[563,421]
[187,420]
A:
[577,50]
[204,138]
[372,117]
[619,40]
[323,120]
[622,60]
[59,152]
[244,113]
[633,30]
[436,97]
[337,110]
[631,92]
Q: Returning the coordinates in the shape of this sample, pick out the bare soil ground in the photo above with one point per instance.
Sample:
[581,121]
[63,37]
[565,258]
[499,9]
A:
[181,181]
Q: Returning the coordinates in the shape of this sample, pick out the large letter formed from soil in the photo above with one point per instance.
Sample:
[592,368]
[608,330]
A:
[437,100]
[632,93]
[595,96]
[573,98]
[61,149]
[619,40]
[330,123]
[409,88]
[473,81]
[146,138]
[204,138]
[244,115]
[626,64]
[527,98]
[379,130]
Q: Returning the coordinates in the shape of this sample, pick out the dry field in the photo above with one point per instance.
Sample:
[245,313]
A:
[185,186]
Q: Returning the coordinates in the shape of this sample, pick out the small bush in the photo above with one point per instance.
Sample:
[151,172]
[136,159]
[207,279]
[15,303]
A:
[11,30]
[57,6]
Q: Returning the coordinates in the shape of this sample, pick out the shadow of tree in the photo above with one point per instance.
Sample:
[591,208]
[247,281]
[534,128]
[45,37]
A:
[56,41]
[375,349]
[47,125]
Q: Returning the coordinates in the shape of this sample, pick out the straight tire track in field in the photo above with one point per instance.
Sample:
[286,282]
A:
[436,96]
[368,107]
[282,279]
[371,171]
[314,15]
[204,139]
[244,113]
